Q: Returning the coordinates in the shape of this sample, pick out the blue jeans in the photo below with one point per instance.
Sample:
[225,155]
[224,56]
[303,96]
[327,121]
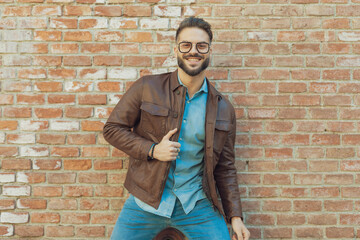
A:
[203,222]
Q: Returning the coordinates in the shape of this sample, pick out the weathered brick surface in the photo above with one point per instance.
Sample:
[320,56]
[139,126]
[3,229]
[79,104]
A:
[290,68]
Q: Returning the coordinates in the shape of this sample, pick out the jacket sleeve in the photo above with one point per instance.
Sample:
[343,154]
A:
[225,176]
[126,114]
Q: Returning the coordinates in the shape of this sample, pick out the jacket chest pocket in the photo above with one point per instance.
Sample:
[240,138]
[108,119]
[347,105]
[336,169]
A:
[222,128]
[153,118]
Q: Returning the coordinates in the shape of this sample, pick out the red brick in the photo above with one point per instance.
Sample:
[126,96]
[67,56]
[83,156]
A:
[292,87]
[32,73]
[78,191]
[60,231]
[77,10]
[276,74]
[94,204]
[338,205]
[229,36]
[137,11]
[323,166]
[306,23]
[16,11]
[309,232]
[37,217]
[109,191]
[48,138]
[78,36]
[84,177]
[95,48]
[83,164]
[62,73]
[125,48]
[13,112]
[16,164]
[340,232]
[290,36]
[47,35]
[260,87]
[338,23]
[65,151]
[65,23]
[29,230]
[292,61]
[138,37]
[336,74]
[47,10]
[263,192]
[75,218]
[108,164]
[77,61]
[48,112]
[47,191]
[305,74]
[61,178]
[64,48]
[258,61]
[306,48]
[48,86]
[77,112]
[30,98]
[137,61]
[93,231]
[109,36]
[92,99]
[31,203]
[276,49]
[47,60]
[61,98]
[290,219]
[108,11]
[108,60]
[260,219]
[62,204]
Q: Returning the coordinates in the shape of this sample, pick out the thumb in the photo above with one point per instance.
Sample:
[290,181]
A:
[169,134]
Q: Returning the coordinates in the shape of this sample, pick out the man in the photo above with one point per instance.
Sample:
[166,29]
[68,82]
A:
[179,133]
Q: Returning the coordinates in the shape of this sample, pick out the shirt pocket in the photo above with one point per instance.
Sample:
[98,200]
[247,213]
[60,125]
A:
[222,128]
[153,118]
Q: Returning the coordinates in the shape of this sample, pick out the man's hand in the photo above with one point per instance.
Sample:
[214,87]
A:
[241,232]
[167,150]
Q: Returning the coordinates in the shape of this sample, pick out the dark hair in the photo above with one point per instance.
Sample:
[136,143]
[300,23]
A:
[195,22]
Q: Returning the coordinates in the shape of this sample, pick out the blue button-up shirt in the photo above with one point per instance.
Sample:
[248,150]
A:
[185,176]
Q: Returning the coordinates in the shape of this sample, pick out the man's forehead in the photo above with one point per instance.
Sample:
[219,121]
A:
[193,34]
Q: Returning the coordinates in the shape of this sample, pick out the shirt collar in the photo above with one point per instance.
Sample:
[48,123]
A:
[203,88]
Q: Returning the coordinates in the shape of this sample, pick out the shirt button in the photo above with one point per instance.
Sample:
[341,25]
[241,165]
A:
[178,157]
[188,101]
[175,189]
[180,139]
[177,92]
[184,121]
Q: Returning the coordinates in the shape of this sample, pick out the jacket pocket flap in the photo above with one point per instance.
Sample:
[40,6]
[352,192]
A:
[223,125]
[154,109]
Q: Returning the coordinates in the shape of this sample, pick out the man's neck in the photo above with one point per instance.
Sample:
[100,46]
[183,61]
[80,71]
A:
[193,83]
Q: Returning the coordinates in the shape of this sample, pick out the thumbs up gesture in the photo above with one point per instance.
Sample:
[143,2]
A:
[167,150]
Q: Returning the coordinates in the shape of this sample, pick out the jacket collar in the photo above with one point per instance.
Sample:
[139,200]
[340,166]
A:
[174,84]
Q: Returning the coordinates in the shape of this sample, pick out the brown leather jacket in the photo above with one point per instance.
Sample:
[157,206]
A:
[147,111]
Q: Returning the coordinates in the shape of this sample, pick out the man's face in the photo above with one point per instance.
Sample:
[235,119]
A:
[193,62]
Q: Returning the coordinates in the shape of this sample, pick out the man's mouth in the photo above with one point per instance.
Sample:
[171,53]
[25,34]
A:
[193,59]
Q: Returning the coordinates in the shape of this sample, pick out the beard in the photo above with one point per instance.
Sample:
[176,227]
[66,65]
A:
[196,71]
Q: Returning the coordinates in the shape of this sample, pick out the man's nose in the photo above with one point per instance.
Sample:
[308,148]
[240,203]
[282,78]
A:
[193,49]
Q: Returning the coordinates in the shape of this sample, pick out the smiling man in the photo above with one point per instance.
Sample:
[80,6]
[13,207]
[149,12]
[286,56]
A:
[179,132]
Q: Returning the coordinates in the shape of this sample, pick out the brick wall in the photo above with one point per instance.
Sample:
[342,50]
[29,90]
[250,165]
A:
[290,67]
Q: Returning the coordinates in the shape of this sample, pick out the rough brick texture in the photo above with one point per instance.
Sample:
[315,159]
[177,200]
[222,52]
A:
[290,67]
